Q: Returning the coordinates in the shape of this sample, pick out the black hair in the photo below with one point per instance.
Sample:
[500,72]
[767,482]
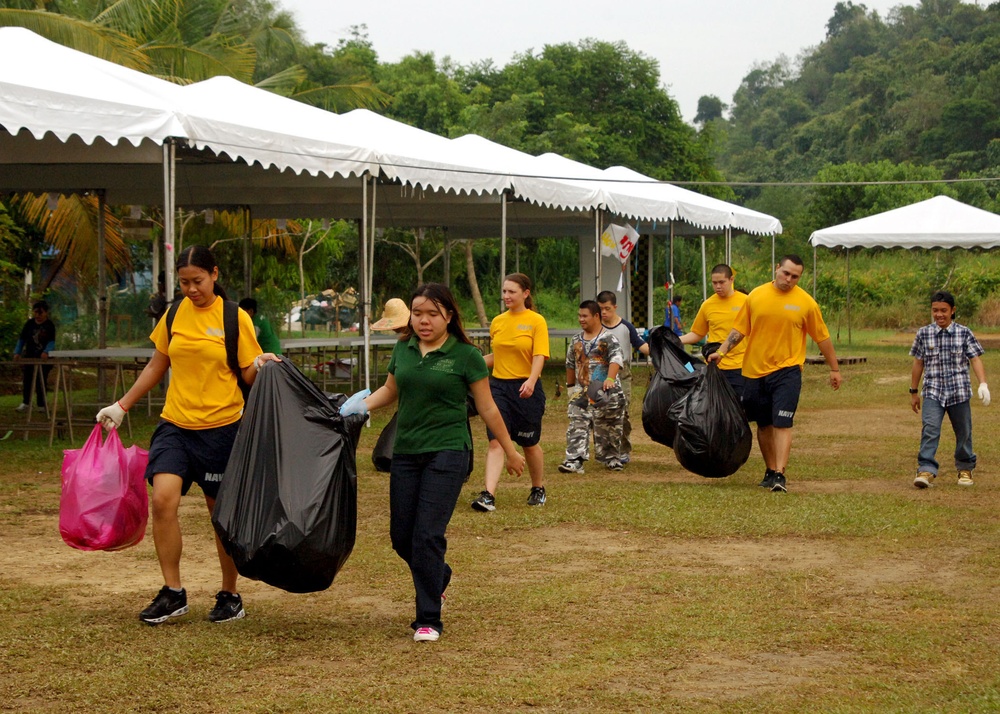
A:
[722,268]
[591,306]
[678,299]
[248,304]
[524,282]
[40,304]
[199,256]
[791,258]
[607,296]
[441,296]
[944,296]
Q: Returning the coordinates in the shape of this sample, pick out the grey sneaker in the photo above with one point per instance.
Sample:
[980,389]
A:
[165,605]
[22,407]
[485,502]
[537,496]
[571,467]
[228,606]
[778,485]
[614,465]
[924,479]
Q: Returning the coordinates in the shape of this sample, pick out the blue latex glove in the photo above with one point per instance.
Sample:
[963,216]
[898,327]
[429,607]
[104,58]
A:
[355,404]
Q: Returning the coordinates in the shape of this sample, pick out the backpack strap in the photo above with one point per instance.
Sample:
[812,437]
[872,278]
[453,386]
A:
[171,314]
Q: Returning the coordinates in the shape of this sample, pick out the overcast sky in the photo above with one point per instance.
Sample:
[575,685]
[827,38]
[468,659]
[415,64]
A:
[703,46]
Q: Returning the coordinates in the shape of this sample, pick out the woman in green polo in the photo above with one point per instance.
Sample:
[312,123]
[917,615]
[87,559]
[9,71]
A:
[432,369]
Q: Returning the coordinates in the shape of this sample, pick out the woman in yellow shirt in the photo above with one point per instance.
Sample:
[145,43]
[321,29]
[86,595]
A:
[520,341]
[198,424]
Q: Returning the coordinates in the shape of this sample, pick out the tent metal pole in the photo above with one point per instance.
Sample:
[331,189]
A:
[729,245]
[367,278]
[649,281]
[597,252]
[848,296]
[247,251]
[169,215]
[704,273]
[503,243]
[102,276]
[670,270]
[363,266]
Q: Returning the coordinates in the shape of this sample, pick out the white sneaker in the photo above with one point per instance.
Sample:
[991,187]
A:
[571,467]
[426,634]
[22,407]
[924,479]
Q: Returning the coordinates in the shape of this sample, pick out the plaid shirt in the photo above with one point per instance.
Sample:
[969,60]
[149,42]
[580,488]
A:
[946,354]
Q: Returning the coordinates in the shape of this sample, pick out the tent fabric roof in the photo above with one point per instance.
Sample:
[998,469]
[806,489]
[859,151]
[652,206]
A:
[90,106]
[939,222]
[45,87]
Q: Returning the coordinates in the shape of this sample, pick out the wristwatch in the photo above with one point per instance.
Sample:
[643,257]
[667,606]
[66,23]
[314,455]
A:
[913,391]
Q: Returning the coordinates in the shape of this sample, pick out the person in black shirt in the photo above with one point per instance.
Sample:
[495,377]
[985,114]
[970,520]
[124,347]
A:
[37,339]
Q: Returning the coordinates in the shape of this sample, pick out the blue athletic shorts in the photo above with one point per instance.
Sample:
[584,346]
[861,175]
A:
[523,417]
[736,380]
[196,455]
[771,400]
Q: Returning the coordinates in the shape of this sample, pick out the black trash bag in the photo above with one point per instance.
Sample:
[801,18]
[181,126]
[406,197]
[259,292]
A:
[713,436]
[382,453]
[671,380]
[287,508]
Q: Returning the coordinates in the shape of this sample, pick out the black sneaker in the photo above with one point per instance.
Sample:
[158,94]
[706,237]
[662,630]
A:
[768,479]
[165,605]
[228,606]
[486,502]
[778,486]
[571,467]
[537,496]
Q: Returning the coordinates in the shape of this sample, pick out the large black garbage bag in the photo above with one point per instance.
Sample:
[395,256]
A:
[713,436]
[382,453]
[674,374]
[287,509]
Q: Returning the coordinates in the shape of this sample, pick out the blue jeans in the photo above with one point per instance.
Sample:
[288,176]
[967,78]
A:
[423,491]
[932,415]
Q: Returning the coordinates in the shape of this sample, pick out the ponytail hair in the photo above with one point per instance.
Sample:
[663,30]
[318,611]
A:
[201,257]
[524,282]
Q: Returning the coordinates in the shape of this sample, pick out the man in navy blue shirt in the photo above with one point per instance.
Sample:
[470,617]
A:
[942,353]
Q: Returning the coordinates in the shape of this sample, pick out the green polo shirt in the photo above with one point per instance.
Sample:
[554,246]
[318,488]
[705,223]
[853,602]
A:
[432,414]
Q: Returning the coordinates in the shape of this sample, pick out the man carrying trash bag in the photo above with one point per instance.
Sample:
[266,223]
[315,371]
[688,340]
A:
[287,507]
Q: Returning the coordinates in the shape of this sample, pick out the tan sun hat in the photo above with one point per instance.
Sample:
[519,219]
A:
[395,315]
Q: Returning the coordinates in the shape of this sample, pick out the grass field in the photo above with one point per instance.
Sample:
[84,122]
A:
[646,590]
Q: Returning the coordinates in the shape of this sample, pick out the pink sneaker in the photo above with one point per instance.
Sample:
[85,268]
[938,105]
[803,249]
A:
[426,634]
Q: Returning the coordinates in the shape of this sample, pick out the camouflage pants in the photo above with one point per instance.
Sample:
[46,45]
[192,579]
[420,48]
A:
[604,421]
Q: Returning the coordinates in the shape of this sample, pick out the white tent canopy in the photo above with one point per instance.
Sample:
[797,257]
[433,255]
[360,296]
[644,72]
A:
[938,222]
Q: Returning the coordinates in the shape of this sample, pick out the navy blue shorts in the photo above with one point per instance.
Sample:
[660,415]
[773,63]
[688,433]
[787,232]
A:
[196,455]
[771,400]
[736,380]
[523,417]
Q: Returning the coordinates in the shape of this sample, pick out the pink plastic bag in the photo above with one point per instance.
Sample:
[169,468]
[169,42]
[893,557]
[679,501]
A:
[104,504]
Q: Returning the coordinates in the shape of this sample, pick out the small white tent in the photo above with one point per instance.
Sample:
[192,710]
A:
[938,222]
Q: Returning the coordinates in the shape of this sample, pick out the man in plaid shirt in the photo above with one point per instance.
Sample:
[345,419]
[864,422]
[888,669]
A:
[942,353]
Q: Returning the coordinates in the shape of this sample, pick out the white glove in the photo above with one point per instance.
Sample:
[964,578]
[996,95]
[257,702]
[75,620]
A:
[355,404]
[573,392]
[984,394]
[111,416]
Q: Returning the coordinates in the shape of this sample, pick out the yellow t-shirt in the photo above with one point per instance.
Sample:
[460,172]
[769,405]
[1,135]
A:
[776,324]
[203,392]
[715,320]
[515,339]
